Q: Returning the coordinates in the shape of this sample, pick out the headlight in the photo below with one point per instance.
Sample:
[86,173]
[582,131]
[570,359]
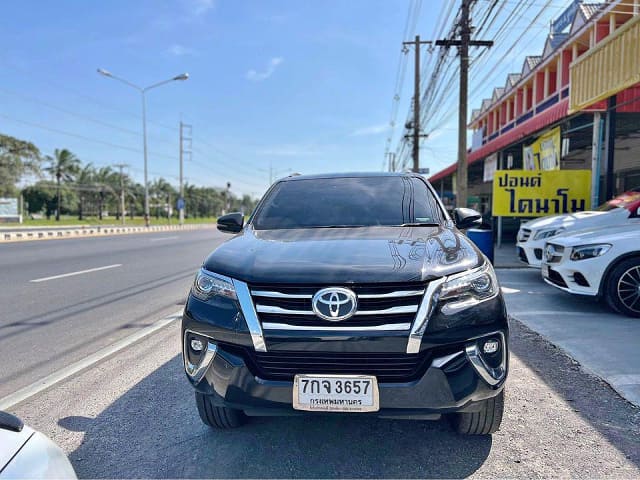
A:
[468,289]
[209,284]
[583,252]
[552,232]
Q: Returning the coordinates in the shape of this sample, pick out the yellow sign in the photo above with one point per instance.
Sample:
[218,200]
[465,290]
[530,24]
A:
[521,193]
[544,153]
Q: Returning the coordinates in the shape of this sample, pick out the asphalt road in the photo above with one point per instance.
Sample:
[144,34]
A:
[134,416]
[604,342]
[133,281]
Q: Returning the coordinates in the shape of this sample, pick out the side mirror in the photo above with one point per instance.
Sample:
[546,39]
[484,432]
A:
[466,218]
[231,223]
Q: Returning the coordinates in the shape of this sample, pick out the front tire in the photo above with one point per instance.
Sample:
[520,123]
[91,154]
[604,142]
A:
[483,422]
[218,417]
[622,289]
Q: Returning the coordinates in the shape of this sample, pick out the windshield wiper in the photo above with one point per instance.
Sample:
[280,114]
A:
[419,224]
[336,226]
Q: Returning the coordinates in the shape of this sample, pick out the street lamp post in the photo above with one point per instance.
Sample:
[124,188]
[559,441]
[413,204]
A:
[143,90]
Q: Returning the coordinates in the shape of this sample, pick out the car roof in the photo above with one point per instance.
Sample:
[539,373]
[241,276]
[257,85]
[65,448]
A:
[297,177]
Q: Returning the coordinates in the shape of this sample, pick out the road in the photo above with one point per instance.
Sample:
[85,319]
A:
[603,341]
[49,323]
[133,415]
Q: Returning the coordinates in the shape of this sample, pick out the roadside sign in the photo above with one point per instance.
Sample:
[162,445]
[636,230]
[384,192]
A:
[523,193]
[180,204]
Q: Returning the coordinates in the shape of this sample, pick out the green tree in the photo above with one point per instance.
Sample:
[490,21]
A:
[85,184]
[106,179]
[63,166]
[17,158]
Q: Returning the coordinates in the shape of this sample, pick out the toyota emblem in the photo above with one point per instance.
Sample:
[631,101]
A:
[334,304]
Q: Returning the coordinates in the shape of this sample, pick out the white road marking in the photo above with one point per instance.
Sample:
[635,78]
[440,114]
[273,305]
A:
[60,375]
[159,239]
[44,279]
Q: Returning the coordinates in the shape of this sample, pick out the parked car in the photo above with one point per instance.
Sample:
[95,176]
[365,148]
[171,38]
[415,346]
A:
[603,262]
[350,294]
[25,453]
[533,235]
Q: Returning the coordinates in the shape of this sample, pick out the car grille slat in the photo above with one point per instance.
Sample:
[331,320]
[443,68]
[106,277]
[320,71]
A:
[284,365]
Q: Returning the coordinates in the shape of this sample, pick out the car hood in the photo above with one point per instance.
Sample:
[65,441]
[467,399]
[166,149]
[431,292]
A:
[344,255]
[617,234]
[579,220]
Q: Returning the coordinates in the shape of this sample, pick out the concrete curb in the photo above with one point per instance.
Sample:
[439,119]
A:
[85,232]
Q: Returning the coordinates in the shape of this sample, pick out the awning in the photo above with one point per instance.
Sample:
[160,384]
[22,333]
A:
[537,122]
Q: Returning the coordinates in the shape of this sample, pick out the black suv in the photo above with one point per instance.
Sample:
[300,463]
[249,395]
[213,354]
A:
[348,293]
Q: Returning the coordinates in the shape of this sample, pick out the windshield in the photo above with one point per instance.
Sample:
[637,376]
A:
[624,200]
[348,202]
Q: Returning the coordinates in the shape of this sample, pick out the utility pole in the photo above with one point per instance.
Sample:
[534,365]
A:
[463,47]
[121,166]
[185,138]
[416,101]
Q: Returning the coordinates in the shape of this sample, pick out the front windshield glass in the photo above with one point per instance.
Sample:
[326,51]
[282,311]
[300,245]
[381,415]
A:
[621,201]
[348,202]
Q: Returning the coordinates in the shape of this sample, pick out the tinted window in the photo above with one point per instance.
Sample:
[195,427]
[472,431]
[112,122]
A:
[341,202]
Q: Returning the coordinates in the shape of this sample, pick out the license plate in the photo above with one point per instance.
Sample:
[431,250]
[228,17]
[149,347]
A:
[336,393]
[545,270]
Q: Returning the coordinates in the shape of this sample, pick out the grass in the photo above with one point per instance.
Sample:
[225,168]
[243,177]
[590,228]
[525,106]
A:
[92,221]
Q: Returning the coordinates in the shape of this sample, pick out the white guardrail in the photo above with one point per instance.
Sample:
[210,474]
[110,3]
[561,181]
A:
[98,231]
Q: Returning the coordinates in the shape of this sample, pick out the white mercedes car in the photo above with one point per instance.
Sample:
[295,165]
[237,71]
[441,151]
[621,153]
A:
[532,236]
[25,453]
[599,262]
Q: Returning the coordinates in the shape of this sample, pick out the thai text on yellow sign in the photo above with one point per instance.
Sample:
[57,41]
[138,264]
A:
[544,153]
[522,193]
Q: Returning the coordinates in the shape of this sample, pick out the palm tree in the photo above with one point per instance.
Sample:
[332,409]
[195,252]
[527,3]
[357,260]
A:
[64,165]
[106,178]
[84,180]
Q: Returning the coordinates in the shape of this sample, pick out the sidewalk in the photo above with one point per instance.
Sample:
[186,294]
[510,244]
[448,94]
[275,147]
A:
[604,343]
[506,257]
[47,233]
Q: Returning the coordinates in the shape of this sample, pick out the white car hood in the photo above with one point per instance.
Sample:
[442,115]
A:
[615,234]
[580,220]
[11,442]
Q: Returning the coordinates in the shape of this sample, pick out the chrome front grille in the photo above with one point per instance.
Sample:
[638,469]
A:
[387,306]
[524,234]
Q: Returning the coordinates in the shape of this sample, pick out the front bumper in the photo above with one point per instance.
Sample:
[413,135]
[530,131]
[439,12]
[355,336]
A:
[530,252]
[454,378]
[579,278]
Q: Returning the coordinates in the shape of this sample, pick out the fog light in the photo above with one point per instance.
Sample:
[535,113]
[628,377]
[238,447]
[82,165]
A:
[196,345]
[490,346]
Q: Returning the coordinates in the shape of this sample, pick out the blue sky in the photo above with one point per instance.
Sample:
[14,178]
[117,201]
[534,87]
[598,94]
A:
[297,86]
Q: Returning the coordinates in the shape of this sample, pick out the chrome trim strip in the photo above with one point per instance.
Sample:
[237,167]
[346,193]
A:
[427,306]
[250,315]
[492,376]
[387,311]
[442,361]
[393,327]
[270,294]
[396,294]
[196,372]
[274,309]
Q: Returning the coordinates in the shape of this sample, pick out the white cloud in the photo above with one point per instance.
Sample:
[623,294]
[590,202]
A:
[370,130]
[180,50]
[200,7]
[255,76]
